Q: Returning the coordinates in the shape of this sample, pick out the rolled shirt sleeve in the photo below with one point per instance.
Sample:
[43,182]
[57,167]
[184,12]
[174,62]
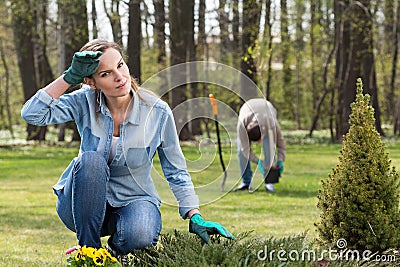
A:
[42,109]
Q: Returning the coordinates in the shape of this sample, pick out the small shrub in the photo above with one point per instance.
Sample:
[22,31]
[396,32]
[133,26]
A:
[359,201]
[184,249]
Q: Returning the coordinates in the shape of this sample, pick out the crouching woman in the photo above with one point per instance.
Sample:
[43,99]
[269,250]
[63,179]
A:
[107,189]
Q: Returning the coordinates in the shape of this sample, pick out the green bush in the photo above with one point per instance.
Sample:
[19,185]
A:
[184,249]
[359,201]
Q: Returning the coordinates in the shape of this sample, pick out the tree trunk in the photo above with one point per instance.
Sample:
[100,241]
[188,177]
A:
[146,20]
[134,39]
[159,28]
[42,65]
[7,91]
[201,34]
[367,61]
[285,55]
[314,51]
[195,123]
[324,94]
[73,20]
[73,34]
[179,10]
[159,40]
[355,60]
[342,38]
[94,18]
[236,36]
[251,23]
[395,52]
[388,45]
[44,74]
[268,36]
[23,24]
[224,33]
[201,55]
[112,13]
[396,120]
[299,60]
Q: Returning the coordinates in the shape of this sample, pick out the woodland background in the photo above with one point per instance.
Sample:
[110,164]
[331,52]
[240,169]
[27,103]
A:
[305,55]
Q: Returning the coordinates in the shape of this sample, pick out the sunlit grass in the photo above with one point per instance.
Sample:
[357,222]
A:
[33,235]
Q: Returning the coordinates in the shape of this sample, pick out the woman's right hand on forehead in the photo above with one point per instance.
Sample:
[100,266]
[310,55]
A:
[83,64]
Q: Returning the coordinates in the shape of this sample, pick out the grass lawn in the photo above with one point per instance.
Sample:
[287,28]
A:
[32,234]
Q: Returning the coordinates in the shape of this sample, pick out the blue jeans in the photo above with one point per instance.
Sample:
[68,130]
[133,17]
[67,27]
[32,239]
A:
[245,168]
[82,206]
[244,163]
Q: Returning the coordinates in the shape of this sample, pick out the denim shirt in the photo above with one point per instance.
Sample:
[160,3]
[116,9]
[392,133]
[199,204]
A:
[150,127]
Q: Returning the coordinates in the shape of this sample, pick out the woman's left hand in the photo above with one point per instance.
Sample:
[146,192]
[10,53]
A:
[204,229]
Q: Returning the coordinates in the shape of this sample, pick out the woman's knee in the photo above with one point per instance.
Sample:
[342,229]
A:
[91,164]
[142,237]
[140,227]
[92,160]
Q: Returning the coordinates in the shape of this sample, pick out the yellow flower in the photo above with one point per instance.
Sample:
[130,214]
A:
[79,256]
[107,254]
[99,258]
[102,251]
[93,255]
[88,251]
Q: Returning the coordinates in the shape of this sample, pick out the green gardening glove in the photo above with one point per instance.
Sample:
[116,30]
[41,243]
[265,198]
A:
[204,229]
[83,64]
[260,167]
[280,166]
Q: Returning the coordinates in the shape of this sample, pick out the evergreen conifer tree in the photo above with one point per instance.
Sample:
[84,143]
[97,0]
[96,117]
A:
[359,201]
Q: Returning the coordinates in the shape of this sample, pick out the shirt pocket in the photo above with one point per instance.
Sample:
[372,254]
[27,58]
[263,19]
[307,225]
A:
[137,157]
[90,142]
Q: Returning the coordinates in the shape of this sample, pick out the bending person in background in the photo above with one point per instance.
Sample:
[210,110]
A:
[258,122]
[107,189]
